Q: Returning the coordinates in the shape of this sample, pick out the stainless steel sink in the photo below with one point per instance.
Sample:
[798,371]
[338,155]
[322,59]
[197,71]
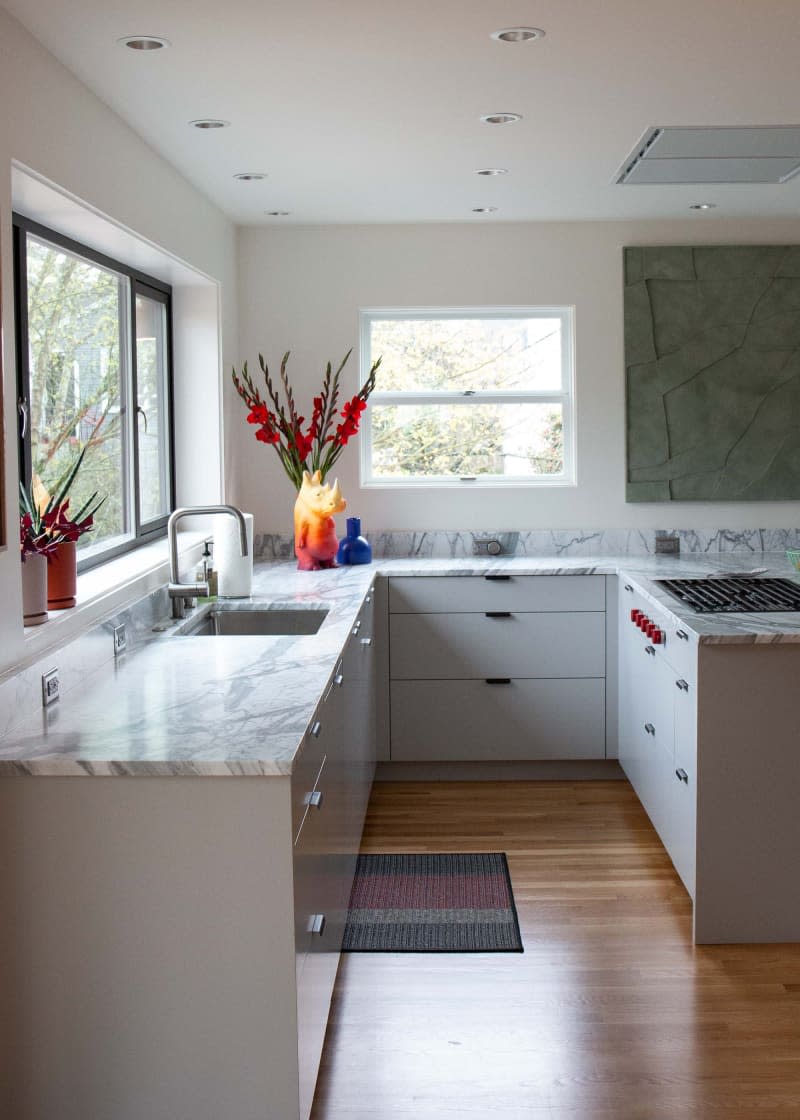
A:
[224,621]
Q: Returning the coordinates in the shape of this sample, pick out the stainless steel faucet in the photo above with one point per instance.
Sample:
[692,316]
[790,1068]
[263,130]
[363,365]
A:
[183,595]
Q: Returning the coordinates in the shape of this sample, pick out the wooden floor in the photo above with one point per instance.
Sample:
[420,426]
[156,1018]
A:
[610,1014]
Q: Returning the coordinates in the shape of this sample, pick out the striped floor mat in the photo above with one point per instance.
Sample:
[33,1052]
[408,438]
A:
[442,903]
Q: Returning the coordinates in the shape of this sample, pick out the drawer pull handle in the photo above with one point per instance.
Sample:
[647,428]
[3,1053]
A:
[496,578]
[682,685]
[650,650]
[316,924]
[316,727]
[649,729]
[682,634]
[628,587]
[357,627]
[498,680]
[366,641]
[314,800]
[682,776]
[498,614]
[337,680]
[368,599]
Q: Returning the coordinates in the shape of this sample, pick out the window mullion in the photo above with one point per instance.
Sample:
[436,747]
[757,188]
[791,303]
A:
[477,398]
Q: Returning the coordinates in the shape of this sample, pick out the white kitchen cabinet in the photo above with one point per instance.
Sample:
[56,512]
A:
[657,726]
[497,668]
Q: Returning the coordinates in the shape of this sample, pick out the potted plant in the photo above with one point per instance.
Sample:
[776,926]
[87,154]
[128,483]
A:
[47,541]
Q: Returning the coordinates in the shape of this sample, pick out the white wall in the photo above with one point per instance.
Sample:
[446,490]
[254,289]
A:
[55,126]
[301,289]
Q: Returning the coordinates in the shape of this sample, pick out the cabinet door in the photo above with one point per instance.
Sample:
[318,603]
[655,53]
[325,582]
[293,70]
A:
[682,845]
[471,721]
[503,644]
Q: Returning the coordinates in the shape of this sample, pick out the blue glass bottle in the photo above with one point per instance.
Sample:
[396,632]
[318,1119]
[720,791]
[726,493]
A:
[354,549]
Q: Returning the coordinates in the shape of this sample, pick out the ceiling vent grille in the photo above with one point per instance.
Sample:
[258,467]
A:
[687,154]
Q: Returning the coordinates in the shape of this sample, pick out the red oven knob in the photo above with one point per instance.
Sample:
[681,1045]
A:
[635,615]
[643,622]
[657,636]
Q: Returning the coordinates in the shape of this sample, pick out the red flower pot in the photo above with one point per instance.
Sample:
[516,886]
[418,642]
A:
[62,577]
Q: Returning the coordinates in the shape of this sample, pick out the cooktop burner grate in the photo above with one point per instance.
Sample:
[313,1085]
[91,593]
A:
[735,594]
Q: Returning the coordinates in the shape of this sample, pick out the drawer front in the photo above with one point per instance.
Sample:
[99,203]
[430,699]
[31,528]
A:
[683,838]
[476,721]
[307,765]
[680,649]
[457,646]
[440,594]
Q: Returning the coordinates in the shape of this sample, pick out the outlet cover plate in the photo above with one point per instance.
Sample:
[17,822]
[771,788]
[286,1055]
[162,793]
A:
[51,689]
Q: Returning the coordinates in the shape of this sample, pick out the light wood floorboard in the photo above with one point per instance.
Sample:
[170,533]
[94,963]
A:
[610,1013]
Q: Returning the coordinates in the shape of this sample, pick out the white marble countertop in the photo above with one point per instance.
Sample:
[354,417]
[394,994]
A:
[205,706]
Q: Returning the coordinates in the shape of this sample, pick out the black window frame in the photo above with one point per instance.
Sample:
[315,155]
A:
[140,283]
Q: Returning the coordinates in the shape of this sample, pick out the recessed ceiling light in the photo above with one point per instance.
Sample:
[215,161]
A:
[209,122]
[484,209]
[518,34]
[492,171]
[502,118]
[250,176]
[144,42]
[703,206]
[277,213]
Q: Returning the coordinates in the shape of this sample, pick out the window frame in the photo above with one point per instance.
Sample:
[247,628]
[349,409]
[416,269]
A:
[566,397]
[139,283]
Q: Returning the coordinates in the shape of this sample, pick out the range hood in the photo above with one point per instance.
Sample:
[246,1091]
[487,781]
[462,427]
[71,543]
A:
[688,154]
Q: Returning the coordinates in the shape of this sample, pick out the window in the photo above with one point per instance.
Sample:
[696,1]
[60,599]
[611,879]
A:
[94,370]
[469,396]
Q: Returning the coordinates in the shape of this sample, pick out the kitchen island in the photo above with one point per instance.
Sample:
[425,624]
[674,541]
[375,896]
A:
[180,829]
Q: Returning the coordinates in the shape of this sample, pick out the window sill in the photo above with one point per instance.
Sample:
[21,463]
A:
[109,587]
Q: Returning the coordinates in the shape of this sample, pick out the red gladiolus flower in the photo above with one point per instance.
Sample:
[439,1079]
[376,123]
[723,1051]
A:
[267,435]
[303,444]
[259,415]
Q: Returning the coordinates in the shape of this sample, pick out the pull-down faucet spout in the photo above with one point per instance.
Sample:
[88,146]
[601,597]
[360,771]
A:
[184,594]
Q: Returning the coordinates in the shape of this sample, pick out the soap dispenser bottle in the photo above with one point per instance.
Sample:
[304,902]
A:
[211,574]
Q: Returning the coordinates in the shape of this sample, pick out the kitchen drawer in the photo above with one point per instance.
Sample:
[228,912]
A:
[473,720]
[319,923]
[443,594]
[307,765]
[680,649]
[458,646]
[682,845]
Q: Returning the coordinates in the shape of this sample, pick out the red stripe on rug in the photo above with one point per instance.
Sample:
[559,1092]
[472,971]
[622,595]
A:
[445,892]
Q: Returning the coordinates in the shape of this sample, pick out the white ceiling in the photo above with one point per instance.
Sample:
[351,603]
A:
[369,111]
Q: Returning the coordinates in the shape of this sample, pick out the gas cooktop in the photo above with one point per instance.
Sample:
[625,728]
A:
[734,594]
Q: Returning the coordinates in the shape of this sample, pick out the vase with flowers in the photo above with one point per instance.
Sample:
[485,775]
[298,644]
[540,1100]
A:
[307,452]
[48,534]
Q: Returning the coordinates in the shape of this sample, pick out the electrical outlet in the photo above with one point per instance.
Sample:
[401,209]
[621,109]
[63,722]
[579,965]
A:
[120,640]
[667,544]
[51,689]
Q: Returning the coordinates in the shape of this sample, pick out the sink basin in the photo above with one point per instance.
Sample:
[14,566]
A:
[228,622]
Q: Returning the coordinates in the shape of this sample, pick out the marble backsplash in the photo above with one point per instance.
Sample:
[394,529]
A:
[447,544]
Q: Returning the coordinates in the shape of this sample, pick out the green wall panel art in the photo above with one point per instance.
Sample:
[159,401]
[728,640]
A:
[712,357]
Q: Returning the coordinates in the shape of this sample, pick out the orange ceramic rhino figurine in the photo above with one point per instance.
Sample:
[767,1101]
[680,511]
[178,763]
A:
[315,542]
